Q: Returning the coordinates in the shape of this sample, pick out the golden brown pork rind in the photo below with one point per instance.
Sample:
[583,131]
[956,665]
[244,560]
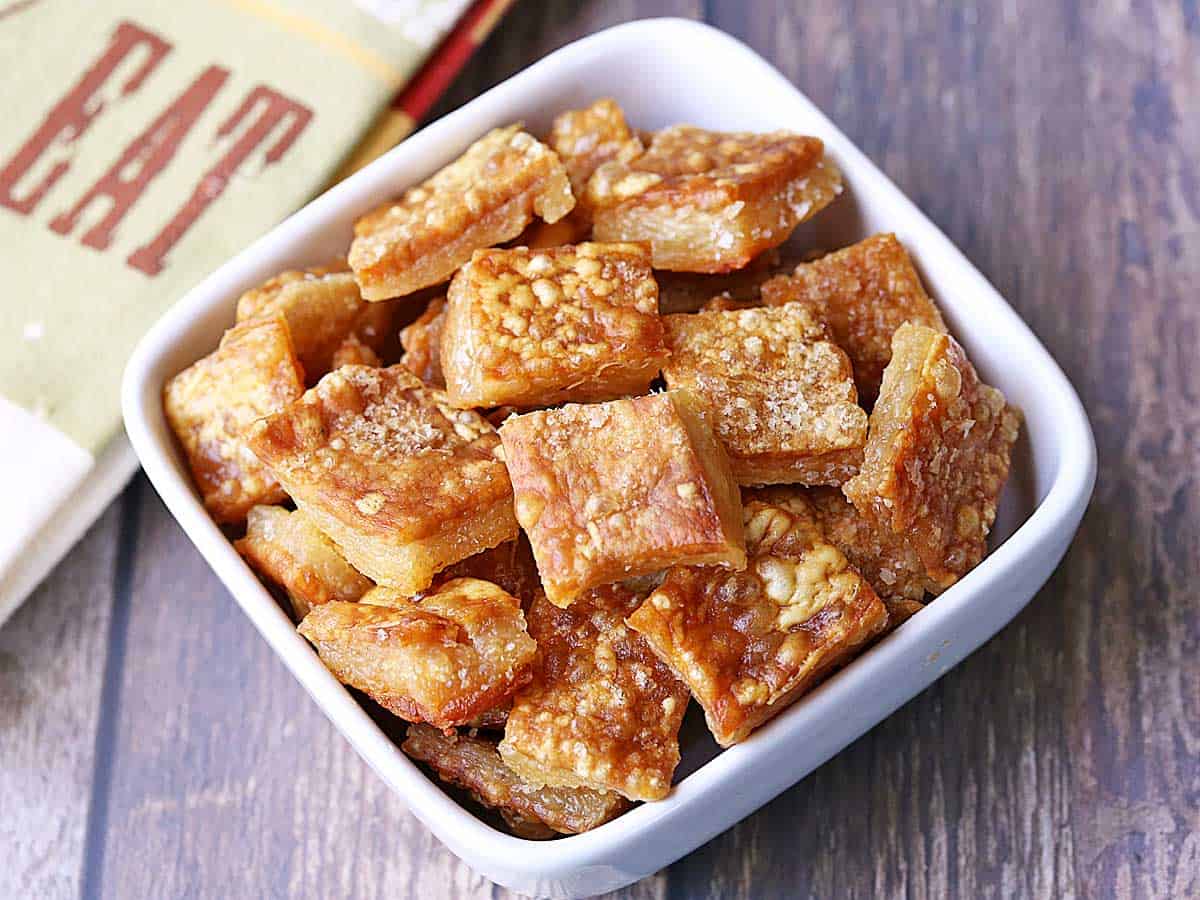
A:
[535,328]
[459,651]
[422,343]
[288,549]
[750,643]
[601,711]
[614,490]
[401,481]
[472,763]
[864,293]
[586,138]
[710,201]
[510,567]
[779,395]
[353,352]
[485,197]
[209,405]
[323,309]
[938,453]
[887,560]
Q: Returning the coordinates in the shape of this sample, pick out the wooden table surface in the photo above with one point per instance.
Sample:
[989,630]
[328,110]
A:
[152,746]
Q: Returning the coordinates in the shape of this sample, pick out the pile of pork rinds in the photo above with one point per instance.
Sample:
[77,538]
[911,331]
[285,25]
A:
[632,448]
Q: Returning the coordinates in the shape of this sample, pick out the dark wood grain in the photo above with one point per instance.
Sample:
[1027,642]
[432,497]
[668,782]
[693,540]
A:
[53,657]
[1054,142]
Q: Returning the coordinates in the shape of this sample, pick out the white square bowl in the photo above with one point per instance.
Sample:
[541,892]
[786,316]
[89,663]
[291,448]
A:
[662,72]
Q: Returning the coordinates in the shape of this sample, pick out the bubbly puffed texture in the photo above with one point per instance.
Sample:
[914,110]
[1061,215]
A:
[323,309]
[209,405]
[404,483]
[750,643]
[864,293]
[709,201]
[288,549]
[601,711]
[887,560]
[485,197]
[422,343]
[938,453]
[614,490]
[778,393]
[472,763]
[445,659]
[353,352]
[536,328]
[585,139]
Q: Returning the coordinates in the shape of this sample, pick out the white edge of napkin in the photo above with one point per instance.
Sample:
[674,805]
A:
[52,492]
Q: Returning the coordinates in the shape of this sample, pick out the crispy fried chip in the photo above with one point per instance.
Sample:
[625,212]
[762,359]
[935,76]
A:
[210,404]
[458,652]
[887,560]
[710,201]
[353,352]
[750,643]
[586,138]
[472,763]
[401,481]
[291,551]
[938,453]
[614,490]
[422,343]
[601,711]
[779,394]
[864,293]
[485,197]
[323,309]
[541,327]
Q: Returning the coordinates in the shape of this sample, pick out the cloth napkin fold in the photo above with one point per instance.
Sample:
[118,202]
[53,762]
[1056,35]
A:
[142,144]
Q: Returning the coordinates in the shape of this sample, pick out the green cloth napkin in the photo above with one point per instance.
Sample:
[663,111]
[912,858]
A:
[143,143]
